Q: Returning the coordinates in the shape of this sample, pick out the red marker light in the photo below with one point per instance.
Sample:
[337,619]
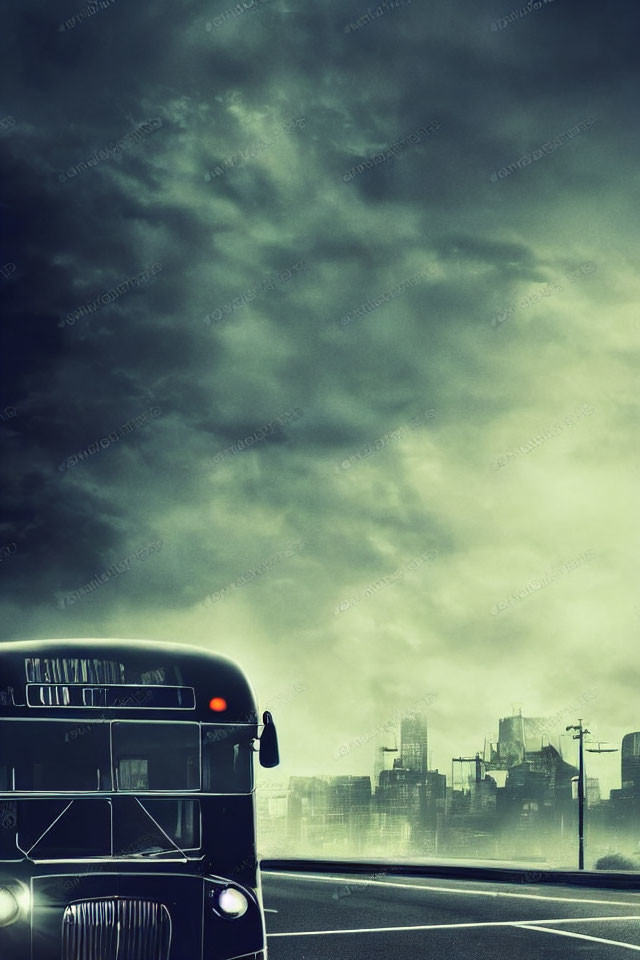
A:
[217,704]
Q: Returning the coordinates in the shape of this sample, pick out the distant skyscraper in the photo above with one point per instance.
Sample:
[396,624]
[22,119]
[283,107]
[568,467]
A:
[413,743]
[517,736]
[631,763]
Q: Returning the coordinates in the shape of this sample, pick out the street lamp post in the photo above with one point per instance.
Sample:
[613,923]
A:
[580,735]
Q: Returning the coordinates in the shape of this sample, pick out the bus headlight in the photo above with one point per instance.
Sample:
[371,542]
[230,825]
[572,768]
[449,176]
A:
[9,907]
[232,902]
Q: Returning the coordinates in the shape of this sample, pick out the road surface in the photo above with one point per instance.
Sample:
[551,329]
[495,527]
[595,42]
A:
[377,917]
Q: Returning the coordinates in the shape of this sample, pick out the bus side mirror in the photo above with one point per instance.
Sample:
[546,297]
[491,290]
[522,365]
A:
[269,754]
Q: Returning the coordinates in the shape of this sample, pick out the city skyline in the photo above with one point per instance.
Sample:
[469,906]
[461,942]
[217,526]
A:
[520,800]
[359,755]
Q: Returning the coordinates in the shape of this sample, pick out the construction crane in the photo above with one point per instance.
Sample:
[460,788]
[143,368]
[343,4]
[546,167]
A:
[478,762]
[380,759]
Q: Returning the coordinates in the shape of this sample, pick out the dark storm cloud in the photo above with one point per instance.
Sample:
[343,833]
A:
[92,197]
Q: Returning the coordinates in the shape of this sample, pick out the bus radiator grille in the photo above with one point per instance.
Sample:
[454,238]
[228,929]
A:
[116,929]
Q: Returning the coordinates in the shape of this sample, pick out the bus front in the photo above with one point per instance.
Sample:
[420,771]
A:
[127,821]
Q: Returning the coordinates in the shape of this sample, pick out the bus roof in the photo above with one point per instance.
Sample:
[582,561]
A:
[134,663]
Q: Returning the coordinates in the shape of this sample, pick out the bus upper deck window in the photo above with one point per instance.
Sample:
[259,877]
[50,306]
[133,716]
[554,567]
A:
[133,773]
[156,756]
[227,752]
[58,756]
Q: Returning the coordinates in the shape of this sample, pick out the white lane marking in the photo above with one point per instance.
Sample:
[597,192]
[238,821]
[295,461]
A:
[469,893]
[583,936]
[457,926]
[269,910]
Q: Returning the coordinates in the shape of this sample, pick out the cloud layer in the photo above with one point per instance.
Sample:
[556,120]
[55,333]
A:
[191,159]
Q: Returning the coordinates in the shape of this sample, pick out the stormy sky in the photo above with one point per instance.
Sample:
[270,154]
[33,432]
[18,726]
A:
[319,348]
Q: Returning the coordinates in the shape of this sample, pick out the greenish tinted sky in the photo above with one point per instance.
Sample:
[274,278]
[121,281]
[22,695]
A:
[470,437]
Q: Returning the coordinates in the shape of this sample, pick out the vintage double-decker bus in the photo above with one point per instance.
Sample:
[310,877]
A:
[127,821]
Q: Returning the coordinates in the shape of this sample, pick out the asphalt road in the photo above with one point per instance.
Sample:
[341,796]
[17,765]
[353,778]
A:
[336,917]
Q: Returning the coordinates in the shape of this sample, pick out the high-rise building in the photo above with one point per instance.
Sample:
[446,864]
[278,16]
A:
[350,792]
[630,761]
[349,813]
[398,804]
[517,736]
[331,813]
[413,743]
[540,788]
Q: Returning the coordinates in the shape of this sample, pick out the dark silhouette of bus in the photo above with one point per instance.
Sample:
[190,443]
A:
[127,821]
